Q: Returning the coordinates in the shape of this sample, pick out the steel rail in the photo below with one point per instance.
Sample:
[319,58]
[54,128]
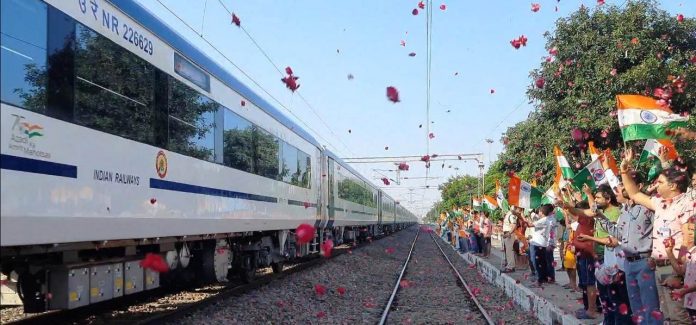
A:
[466,286]
[385,314]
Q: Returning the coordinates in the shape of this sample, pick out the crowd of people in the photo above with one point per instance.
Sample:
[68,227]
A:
[629,248]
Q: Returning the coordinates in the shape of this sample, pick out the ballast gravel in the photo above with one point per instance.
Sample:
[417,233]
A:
[355,287]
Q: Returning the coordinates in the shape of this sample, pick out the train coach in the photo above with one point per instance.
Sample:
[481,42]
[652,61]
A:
[119,138]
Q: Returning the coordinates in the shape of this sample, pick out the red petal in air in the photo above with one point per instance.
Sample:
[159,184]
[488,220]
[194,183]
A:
[492,91]
[341,290]
[425,158]
[431,135]
[243,103]
[523,40]
[403,166]
[306,205]
[326,248]
[385,181]
[515,43]
[443,7]
[623,309]
[535,7]
[402,43]
[153,200]
[235,20]
[421,5]
[304,233]
[393,94]
[288,70]
[680,18]
[154,262]
[386,148]
[414,12]
[599,3]
[291,82]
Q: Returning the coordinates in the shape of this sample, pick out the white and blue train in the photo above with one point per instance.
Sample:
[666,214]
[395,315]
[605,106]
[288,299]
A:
[119,138]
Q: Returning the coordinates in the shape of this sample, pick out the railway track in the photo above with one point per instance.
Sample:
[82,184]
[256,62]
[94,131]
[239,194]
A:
[164,305]
[453,301]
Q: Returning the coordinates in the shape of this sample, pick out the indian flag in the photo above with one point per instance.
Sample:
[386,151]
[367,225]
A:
[476,203]
[594,153]
[522,194]
[652,149]
[489,203]
[563,170]
[549,196]
[500,197]
[611,161]
[593,175]
[641,117]
[651,152]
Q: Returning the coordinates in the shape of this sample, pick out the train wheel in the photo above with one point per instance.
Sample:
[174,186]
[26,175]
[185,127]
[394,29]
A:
[248,269]
[277,267]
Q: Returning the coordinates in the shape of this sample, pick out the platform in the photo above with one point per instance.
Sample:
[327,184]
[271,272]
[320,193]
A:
[551,303]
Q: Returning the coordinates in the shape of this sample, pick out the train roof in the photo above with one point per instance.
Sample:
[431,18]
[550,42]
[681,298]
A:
[184,47]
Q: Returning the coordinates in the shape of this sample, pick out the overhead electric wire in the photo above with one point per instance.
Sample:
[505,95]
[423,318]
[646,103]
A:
[268,58]
[244,73]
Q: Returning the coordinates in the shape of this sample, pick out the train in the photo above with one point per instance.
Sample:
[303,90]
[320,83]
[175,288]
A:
[120,138]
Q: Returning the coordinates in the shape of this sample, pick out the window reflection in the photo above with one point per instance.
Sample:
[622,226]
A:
[23,35]
[117,96]
[238,149]
[191,122]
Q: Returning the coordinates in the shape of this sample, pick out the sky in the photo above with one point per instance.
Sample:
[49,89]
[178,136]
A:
[326,41]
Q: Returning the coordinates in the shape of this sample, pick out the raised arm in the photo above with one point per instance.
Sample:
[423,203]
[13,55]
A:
[630,185]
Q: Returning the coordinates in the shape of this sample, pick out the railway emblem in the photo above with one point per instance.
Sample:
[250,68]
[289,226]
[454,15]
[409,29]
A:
[24,137]
[161,164]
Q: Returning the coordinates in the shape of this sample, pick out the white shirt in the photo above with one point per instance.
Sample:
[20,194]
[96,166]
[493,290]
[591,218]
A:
[509,222]
[540,237]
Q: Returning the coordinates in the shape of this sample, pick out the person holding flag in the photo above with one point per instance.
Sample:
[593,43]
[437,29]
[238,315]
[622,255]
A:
[673,209]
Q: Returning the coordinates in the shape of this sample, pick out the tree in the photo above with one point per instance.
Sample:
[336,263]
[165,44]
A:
[457,191]
[600,54]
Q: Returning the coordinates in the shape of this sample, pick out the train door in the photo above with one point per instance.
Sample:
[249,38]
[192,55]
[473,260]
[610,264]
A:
[380,212]
[331,195]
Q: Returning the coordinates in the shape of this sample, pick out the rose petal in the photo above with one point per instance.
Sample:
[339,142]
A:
[393,94]
[304,233]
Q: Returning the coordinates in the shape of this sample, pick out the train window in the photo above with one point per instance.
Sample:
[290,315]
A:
[295,166]
[23,53]
[191,122]
[289,169]
[117,97]
[238,148]
[304,162]
[266,152]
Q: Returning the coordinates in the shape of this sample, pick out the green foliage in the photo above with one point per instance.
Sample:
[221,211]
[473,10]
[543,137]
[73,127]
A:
[457,191]
[644,44]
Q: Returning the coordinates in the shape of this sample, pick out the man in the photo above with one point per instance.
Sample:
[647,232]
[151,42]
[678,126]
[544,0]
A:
[672,208]
[633,233]
[612,280]
[486,232]
[509,226]
[540,242]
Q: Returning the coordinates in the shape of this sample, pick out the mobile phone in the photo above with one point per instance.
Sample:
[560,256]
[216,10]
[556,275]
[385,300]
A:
[594,207]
